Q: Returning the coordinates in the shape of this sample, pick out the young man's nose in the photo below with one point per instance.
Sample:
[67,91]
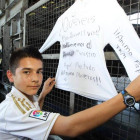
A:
[35,77]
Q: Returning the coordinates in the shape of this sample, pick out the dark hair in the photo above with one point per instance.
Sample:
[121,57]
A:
[21,53]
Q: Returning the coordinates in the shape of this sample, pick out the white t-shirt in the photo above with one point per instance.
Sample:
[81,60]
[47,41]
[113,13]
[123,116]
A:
[83,31]
[22,119]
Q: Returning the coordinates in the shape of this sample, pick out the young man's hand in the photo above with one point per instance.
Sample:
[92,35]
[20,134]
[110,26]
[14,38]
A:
[47,87]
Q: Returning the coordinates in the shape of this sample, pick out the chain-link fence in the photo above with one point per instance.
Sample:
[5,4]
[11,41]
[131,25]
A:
[39,23]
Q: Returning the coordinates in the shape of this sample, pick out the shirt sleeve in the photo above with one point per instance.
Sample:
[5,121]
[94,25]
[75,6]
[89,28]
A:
[52,38]
[33,124]
[125,42]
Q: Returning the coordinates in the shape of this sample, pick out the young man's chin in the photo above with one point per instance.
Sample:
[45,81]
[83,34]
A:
[30,92]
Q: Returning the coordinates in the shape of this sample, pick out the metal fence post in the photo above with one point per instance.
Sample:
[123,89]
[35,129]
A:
[72,101]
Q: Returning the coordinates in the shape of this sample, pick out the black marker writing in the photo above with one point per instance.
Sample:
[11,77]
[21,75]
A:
[70,53]
[85,54]
[67,45]
[137,63]
[89,45]
[68,23]
[138,71]
[63,72]
[120,38]
[79,44]
[81,33]
[94,79]
[67,65]
[84,66]
[121,52]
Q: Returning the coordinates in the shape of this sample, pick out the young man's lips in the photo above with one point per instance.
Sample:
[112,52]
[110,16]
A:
[33,86]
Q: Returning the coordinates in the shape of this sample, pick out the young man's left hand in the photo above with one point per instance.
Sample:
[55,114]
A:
[47,87]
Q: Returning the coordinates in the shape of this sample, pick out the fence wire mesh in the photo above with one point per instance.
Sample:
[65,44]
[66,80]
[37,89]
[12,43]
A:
[39,23]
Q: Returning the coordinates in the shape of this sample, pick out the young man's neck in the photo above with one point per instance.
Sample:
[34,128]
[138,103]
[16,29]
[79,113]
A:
[30,97]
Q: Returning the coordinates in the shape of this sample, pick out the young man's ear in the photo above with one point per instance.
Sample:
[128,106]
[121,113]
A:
[10,76]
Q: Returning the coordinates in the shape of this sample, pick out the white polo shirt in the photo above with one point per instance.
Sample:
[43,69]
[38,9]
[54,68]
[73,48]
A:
[22,119]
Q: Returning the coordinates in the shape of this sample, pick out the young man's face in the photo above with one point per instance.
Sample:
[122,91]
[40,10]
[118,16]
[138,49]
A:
[28,76]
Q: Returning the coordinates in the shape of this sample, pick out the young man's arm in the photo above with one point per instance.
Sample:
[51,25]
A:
[48,85]
[86,120]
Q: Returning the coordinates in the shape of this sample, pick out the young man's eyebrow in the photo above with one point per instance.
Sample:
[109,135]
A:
[31,69]
[40,69]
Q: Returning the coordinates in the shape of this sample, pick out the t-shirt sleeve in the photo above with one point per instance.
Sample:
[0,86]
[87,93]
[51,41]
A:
[33,124]
[125,42]
[52,38]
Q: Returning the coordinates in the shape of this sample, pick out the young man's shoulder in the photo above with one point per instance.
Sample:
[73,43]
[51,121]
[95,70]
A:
[11,106]
[6,103]
[5,106]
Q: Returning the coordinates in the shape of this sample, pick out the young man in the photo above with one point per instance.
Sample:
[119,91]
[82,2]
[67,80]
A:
[21,117]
